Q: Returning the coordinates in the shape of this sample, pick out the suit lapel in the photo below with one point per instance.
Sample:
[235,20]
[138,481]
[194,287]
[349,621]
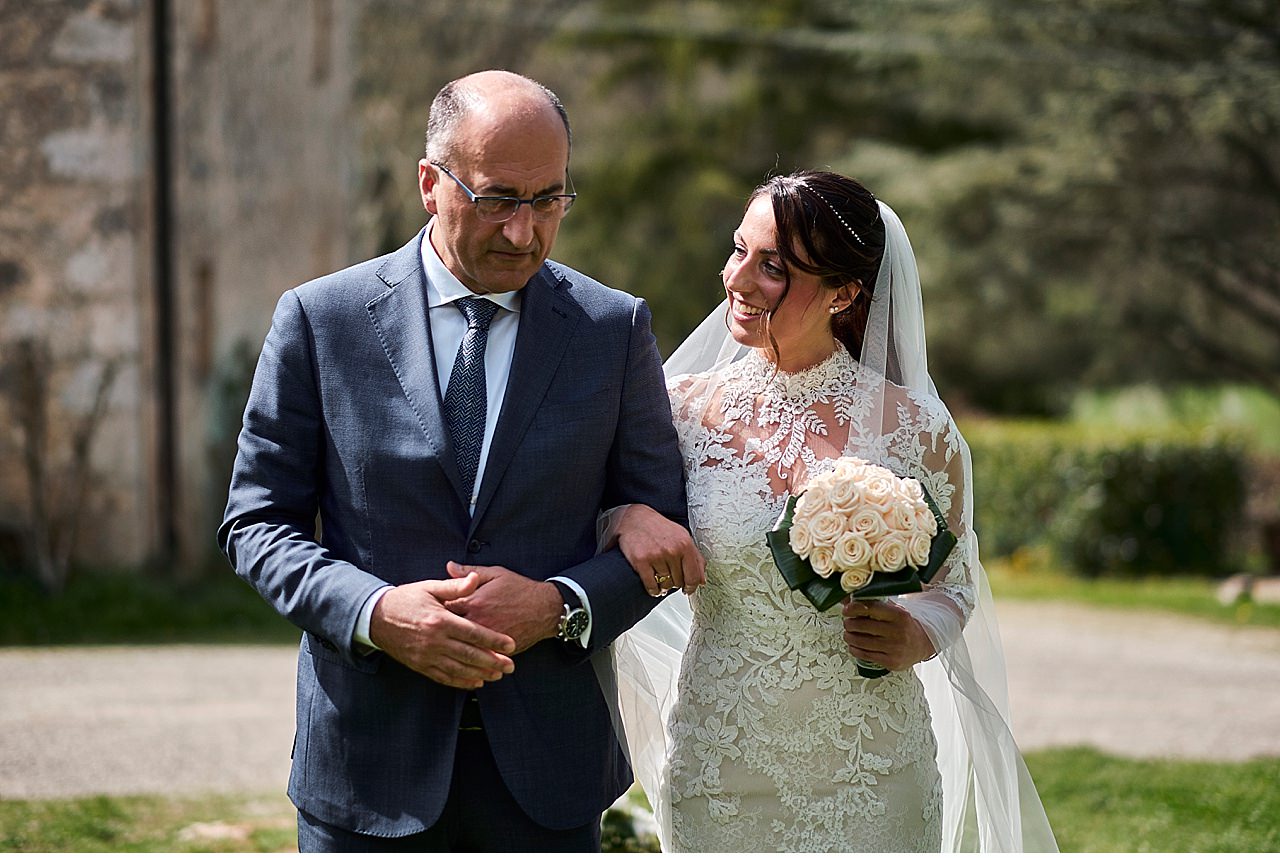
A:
[547,323]
[401,318]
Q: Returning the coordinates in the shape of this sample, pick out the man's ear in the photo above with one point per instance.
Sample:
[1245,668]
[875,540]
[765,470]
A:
[428,181]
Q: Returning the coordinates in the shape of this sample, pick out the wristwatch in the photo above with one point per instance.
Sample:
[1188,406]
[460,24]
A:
[573,624]
[574,619]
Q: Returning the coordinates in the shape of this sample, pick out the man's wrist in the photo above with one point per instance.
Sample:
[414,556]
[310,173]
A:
[362,637]
[575,611]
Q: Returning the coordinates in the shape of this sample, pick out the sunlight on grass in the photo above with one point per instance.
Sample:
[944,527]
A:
[1096,803]
[149,824]
[1026,577]
[1101,803]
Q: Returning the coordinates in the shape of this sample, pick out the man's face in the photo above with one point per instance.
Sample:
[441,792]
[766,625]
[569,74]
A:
[497,153]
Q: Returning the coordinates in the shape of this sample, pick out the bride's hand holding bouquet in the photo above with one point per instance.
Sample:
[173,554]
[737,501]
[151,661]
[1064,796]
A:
[857,534]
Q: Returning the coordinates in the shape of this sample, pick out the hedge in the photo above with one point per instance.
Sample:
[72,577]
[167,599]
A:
[1162,501]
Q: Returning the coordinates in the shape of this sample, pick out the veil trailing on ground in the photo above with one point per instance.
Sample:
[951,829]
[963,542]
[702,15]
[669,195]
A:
[989,801]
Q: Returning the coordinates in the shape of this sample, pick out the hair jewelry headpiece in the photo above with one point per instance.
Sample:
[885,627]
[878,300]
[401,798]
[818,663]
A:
[836,212]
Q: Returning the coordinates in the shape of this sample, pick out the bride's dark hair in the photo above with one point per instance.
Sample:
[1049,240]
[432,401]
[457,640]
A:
[834,222]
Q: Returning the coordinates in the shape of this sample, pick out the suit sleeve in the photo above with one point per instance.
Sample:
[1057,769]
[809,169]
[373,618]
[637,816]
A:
[269,530]
[644,467]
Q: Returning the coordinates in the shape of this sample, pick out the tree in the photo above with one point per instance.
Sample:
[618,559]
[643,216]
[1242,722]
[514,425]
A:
[1091,185]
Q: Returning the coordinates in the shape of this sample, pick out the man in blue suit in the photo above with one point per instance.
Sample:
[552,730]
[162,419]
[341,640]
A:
[456,413]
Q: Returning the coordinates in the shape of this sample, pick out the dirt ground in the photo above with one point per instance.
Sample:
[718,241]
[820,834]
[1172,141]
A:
[219,719]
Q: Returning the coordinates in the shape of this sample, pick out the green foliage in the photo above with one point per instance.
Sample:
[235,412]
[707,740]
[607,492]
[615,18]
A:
[1249,413]
[1092,188]
[1175,507]
[103,608]
[1101,803]
[1109,501]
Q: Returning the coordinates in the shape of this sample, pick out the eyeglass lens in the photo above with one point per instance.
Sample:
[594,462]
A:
[544,208]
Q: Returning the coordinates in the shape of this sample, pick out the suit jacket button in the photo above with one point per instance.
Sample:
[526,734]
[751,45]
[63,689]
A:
[473,547]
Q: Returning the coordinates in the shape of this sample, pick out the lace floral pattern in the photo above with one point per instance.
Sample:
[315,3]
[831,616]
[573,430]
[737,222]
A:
[777,743]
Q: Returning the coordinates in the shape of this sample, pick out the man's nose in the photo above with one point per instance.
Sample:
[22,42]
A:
[519,230]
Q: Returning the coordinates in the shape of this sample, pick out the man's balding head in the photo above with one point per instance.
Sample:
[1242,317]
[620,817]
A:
[486,94]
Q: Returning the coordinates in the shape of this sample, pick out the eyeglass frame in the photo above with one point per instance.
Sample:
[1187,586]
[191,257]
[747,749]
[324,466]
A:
[567,200]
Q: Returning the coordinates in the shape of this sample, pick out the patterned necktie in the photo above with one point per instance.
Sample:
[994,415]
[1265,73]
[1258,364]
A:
[466,399]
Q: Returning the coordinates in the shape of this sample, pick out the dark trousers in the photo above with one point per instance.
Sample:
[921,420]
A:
[479,816]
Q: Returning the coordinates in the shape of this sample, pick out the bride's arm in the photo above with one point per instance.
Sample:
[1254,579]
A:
[904,631]
[660,551]
[943,608]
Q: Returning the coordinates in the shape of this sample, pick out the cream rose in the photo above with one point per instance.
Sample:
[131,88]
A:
[801,540]
[852,579]
[918,550]
[877,493]
[890,554]
[900,517]
[911,489]
[926,522]
[868,523]
[814,499]
[852,552]
[826,527]
[846,494]
[820,558]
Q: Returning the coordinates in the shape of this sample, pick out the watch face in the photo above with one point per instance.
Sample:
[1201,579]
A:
[575,625]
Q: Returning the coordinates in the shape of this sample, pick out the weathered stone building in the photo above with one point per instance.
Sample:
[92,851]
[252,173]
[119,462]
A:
[169,168]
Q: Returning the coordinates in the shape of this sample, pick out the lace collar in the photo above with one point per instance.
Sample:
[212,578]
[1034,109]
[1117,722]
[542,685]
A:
[834,374]
[784,410]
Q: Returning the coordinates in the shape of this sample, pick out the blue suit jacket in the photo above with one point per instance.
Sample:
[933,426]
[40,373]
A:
[345,421]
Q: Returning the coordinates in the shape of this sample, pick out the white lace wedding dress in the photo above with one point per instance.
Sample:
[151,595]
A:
[776,743]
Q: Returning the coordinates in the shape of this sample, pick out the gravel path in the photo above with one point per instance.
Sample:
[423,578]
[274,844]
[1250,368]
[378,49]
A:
[199,719]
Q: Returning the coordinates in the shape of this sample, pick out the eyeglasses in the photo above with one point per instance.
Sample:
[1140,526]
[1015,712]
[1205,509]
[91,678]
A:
[503,209]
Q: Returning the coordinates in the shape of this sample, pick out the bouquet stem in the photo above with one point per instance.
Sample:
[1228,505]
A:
[869,669]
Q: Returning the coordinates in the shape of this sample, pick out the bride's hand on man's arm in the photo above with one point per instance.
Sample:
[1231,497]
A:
[661,551]
[884,632]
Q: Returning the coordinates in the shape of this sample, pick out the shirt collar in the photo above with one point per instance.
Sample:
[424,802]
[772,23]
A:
[444,288]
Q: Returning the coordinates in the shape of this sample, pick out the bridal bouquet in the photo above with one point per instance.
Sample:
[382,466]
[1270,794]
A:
[859,531]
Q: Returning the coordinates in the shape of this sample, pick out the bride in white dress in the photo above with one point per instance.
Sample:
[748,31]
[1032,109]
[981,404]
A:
[746,720]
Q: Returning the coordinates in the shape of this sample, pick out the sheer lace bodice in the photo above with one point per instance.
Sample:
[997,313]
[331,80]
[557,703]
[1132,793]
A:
[777,743]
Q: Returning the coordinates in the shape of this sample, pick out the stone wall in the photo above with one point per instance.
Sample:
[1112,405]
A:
[260,127]
[74,264]
[263,194]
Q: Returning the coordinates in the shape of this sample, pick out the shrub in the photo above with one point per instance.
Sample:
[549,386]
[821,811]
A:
[1165,500]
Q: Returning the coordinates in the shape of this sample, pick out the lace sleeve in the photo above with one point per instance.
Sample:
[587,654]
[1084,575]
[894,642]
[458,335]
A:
[955,580]
[934,452]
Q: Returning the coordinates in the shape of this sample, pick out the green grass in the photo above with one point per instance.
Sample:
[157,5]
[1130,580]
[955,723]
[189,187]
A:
[149,824]
[1100,803]
[1188,596]
[135,608]
[1096,803]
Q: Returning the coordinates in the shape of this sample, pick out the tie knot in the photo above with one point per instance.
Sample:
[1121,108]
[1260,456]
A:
[479,311]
